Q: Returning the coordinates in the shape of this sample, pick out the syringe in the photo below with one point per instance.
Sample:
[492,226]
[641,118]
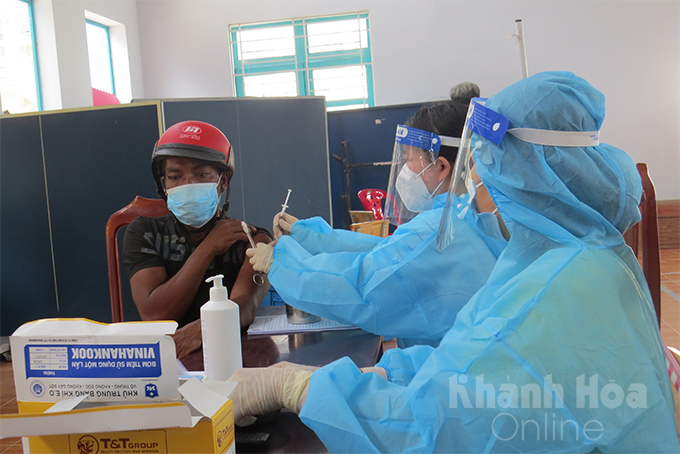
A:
[258,278]
[285,204]
[247,230]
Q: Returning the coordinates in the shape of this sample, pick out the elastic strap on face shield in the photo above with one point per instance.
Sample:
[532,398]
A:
[557,138]
[450,141]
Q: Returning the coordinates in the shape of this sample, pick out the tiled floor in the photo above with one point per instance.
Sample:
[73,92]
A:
[8,405]
[670,332]
[670,297]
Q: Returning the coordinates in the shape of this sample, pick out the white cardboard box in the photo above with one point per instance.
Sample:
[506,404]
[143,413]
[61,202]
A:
[58,359]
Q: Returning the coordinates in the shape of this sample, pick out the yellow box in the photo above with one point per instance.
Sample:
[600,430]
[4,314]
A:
[167,427]
[215,436]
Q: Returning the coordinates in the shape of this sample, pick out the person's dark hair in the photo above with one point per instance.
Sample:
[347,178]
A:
[464,92]
[445,118]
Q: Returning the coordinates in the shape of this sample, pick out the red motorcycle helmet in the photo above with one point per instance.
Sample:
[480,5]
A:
[192,139]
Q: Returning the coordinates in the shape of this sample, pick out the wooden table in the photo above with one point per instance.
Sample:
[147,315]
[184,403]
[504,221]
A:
[287,433]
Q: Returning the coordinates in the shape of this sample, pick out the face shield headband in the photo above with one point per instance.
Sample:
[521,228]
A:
[415,151]
[493,126]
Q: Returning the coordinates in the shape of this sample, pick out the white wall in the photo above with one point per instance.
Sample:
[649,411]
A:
[48,61]
[62,48]
[629,50]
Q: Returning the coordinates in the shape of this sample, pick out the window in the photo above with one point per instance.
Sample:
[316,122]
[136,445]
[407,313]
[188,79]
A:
[99,55]
[322,56]
[19,80]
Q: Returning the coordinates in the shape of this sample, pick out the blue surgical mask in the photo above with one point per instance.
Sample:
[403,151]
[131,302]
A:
[472,191]
[194,204]
[488,224]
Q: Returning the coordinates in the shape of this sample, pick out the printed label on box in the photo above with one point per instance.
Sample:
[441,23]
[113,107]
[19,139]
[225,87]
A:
[88,361]
[133,442]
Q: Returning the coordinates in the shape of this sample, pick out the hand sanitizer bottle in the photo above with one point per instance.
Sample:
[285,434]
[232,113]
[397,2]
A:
[221,332]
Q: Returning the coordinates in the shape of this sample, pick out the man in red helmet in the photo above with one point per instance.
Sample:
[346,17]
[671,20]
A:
[169,257]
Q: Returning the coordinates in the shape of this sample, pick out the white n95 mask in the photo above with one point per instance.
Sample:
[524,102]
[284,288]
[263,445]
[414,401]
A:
[413,191]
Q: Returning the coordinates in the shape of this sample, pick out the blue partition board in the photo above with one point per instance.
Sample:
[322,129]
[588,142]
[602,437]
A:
[95,162]
[360,137]
[62,174]
[279,144]
[27,288]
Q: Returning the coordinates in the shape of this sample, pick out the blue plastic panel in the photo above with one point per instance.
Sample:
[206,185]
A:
[361,136]
[26,277]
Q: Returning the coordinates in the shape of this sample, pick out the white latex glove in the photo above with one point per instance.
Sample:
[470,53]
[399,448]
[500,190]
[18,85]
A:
[376,370]
[262,390]
[283,224]
[286,364]
[261,257]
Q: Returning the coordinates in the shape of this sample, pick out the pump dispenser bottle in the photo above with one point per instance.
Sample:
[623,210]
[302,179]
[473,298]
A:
[221,332]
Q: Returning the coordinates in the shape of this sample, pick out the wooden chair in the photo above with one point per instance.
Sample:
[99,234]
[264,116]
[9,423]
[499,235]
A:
[138,207]
[646,234]
[379,228]
[361,216]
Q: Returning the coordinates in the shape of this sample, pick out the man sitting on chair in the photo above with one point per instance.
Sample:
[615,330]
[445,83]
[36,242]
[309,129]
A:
[169,257]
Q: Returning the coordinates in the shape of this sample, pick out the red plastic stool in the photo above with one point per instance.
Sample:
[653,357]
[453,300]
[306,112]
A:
[371,199]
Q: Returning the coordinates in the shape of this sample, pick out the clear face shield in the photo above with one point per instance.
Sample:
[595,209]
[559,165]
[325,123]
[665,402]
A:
[415,153]
[483,124]
[464,181]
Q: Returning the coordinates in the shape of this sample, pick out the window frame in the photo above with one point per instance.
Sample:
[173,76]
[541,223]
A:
[108,46]
[303,63]
[34,51]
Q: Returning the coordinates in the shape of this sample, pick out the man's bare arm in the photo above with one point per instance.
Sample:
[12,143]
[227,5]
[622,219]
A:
[160,298]
[245,292]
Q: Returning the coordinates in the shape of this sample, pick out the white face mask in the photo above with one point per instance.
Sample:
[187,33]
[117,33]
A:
[413,191]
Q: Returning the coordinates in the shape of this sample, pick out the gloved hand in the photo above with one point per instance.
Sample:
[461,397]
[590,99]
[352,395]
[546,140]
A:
[286,364]
[283,224]
[261,257]
[376,370]
[262,390]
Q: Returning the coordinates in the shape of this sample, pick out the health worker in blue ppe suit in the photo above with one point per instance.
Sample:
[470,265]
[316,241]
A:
[401,286]
[560,351]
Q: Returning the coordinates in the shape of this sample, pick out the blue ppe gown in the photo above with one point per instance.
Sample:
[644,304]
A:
[397,286]
[560,351]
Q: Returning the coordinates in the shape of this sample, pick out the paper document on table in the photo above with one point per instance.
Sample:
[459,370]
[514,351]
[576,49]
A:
[278,324]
